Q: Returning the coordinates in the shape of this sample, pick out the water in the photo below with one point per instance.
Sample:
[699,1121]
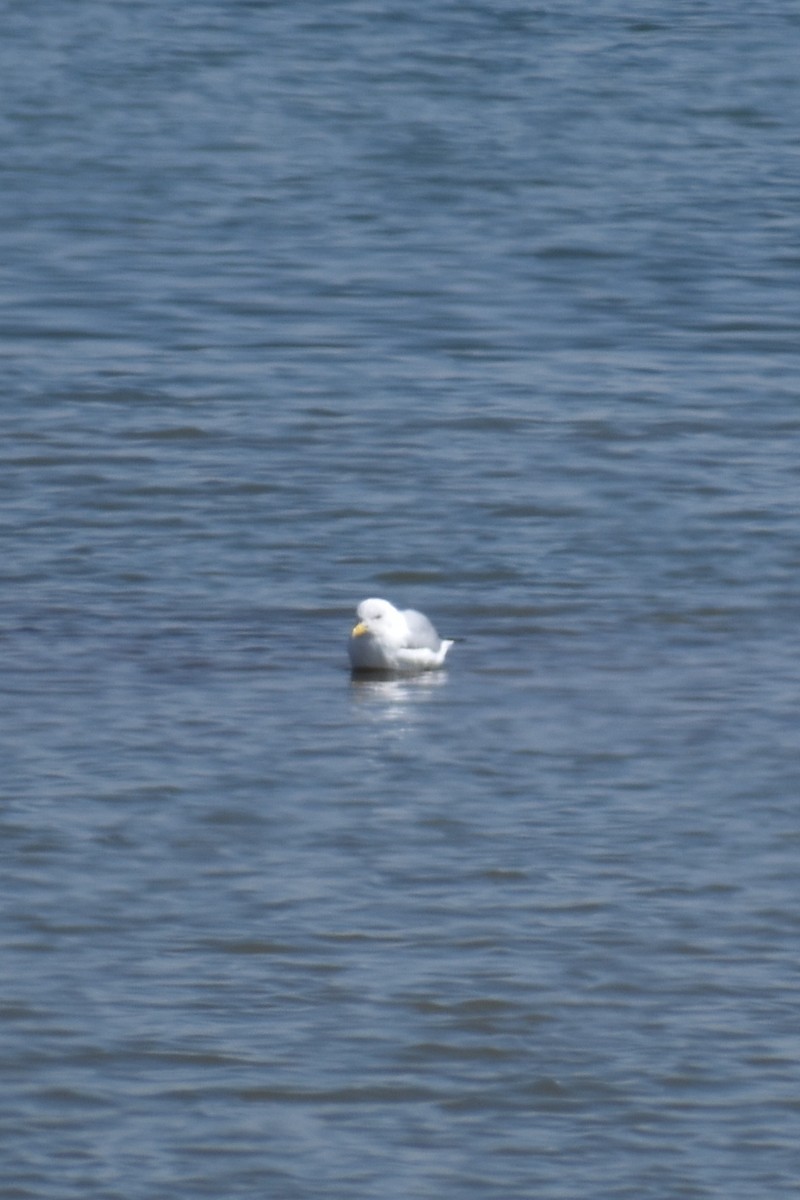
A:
[490,309]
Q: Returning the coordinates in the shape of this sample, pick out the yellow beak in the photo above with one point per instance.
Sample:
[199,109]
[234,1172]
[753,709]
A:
[359,629]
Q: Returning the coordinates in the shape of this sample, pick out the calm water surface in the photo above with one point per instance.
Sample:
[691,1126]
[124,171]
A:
[491,309]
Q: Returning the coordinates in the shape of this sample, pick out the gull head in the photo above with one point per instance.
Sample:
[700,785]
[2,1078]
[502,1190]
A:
[380,620]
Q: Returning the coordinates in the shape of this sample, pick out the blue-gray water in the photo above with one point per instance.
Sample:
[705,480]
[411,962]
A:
[492,309]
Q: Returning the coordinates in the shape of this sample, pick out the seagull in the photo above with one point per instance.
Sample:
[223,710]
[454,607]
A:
[386,639]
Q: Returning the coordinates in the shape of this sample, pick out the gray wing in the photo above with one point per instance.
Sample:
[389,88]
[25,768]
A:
[422,634]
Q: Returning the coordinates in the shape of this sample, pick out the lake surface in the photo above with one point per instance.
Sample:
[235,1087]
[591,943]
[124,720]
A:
[490,309]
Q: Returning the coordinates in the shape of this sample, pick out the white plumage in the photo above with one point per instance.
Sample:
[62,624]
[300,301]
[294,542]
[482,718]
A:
[386,639]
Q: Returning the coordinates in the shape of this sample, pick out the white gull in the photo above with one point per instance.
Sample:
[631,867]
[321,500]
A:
[386,639]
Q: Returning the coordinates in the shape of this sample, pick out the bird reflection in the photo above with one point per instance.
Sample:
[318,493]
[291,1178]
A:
[390,697]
